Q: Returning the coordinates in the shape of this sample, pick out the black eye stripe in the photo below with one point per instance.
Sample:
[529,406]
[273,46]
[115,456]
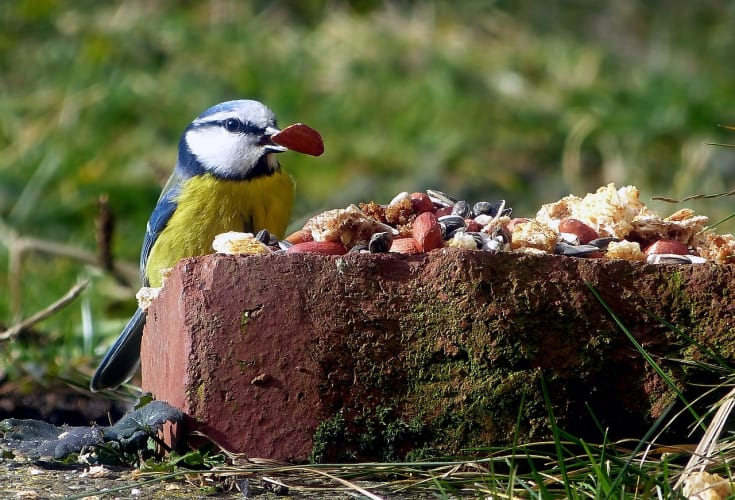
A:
[234,125]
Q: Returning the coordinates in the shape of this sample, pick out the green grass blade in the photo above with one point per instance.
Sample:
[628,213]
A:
[721,221]
[649,359]
[555,431]
[603,481]
[643,442]
[711,353]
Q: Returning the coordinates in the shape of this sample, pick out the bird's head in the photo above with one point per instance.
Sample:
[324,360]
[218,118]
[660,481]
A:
[231,140]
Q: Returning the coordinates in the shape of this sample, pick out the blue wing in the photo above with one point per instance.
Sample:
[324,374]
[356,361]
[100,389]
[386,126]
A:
[162,213]
[121,360]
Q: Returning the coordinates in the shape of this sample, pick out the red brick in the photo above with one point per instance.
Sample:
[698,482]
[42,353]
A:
[393,353]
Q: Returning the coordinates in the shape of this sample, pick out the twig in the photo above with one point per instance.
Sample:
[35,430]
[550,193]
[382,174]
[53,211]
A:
[17,245]
[694,197]
[104,230]
[123,271]
[12,332]
[348,484]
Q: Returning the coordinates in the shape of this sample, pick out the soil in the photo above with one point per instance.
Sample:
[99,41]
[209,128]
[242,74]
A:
[59,405]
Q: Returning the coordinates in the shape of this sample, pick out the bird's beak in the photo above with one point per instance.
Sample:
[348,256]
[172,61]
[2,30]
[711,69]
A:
[271,146]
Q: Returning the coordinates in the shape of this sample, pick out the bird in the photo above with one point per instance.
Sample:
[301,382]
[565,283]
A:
[226,178]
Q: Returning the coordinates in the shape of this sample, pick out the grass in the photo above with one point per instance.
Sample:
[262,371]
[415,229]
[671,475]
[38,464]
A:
[482,100]
[567,467]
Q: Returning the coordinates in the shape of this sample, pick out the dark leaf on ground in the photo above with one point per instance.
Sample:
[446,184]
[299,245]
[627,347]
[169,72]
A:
[35,439]
[142,423]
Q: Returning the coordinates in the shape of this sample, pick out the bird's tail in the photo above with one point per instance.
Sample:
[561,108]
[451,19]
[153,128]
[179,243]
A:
[122,359]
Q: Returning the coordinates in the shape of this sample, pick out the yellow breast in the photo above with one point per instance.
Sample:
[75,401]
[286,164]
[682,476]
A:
[208,206]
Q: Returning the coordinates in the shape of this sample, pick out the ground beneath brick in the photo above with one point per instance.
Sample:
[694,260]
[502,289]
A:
[61,405]
[24,480]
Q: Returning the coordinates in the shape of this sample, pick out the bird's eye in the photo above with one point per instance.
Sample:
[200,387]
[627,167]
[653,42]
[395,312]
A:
[232,124]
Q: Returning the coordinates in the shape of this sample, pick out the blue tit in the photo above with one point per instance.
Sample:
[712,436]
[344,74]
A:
[227,178]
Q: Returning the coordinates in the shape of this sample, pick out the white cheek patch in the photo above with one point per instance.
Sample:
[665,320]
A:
[221,152]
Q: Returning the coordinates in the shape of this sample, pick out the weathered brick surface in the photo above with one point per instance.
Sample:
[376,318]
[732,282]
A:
[302,356]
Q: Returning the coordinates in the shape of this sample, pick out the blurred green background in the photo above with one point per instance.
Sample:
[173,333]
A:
[526,101]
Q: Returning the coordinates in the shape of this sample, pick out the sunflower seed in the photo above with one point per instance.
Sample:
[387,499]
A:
[449,225]
[603,242]
[380,242]
[492,209]
[462,209]
[563,248]
[266,238]
[482,207]
[440,198]
[668,258]
[499,209]
[284,245]
[480,238]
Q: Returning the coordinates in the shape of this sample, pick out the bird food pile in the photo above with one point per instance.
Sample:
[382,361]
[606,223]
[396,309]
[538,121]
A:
[610,223]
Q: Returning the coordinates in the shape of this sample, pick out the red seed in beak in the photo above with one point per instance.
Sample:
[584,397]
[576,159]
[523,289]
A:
[300,138]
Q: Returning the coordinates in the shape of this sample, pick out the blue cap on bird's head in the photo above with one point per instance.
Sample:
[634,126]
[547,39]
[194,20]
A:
[231,140]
